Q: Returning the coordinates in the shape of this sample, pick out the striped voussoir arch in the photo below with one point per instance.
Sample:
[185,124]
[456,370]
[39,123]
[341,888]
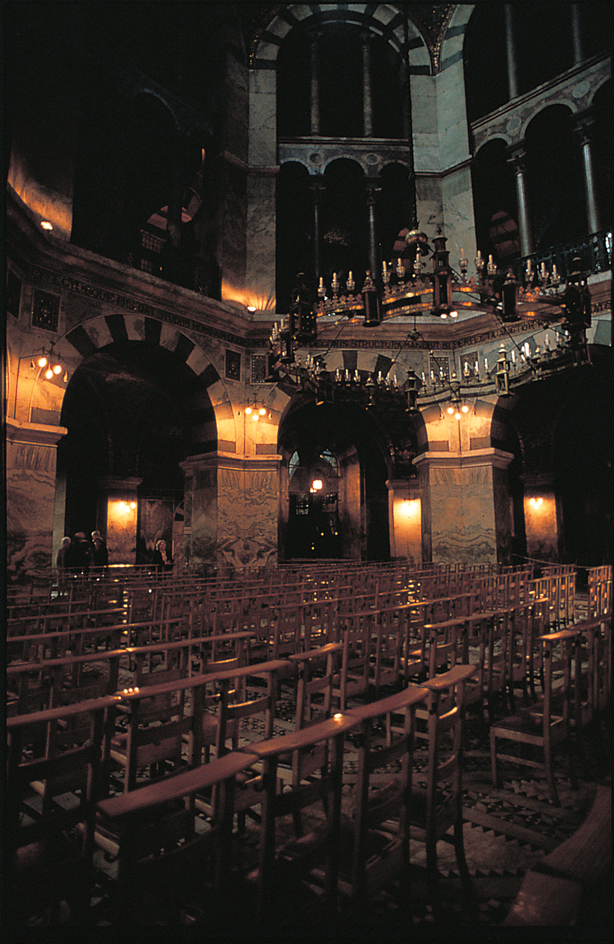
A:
[95,334]
[382,19]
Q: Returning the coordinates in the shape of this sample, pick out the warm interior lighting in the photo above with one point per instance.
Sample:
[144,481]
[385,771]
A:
[255,417]
[252,308]
[317,485]
[262,411]
[133,505]
[536,502]
[65,377]
[45,224]
[464,408]
[410,507]
[248,411]
[42,361]
[450,410]
[57,369]
[49,373]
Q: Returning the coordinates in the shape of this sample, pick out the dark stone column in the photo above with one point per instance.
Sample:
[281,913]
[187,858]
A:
[578,51]
[315,88]
[374,262]
[516,159]
[592,211]
[317,186]
[367,101]
[510,46]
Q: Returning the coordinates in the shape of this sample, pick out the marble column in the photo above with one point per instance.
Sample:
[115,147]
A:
[592,211]
[31,455]
[510,47]
[314,101]
[517,159]
[367,100]
[317,186]
[374,262]
[465,506]
[231,512]
[576,35]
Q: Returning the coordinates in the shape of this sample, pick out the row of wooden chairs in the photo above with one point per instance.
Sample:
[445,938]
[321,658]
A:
[162,818]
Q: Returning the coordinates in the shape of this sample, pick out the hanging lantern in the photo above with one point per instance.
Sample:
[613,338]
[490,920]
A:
[371,300]
[510,297]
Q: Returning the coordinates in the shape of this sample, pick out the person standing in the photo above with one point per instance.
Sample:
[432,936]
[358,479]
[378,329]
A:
[63,554]
[161,559]
[100,553]
[80,554]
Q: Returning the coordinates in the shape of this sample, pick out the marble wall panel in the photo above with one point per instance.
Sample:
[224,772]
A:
[263,118]
[30,492]
[452,116]
[260,268]
[462,515]
[457,199]
[247,517]
[200,523]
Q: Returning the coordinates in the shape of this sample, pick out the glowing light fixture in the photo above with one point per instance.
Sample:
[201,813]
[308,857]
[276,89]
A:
[42,361]
[317,485]
[45,224]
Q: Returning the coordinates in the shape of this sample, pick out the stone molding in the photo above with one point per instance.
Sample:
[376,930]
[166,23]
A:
[18,431]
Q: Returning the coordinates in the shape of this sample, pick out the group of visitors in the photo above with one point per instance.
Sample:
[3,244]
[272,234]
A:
[79,555]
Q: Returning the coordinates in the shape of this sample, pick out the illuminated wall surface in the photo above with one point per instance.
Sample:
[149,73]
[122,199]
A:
[541,526]
[408,528]
[121,531]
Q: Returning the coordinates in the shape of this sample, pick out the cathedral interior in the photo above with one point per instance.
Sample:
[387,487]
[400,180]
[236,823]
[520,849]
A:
[300,282]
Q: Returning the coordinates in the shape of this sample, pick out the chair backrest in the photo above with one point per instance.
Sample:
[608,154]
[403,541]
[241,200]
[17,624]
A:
[324,792]
[379,853]
[445,744]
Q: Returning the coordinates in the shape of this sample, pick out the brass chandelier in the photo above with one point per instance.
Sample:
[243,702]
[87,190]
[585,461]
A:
[405,290]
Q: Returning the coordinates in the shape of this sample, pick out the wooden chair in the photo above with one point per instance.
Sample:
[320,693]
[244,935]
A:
[386,661]
[47,860]
[546,724]
[157,721]
[163,847]
[356,634]
[285,866]
[376,840]
[231,715]
[437,808]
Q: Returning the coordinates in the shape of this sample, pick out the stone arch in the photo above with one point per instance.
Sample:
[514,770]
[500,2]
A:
[382,19]
[92,335]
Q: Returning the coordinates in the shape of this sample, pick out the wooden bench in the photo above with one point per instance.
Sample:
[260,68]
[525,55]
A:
[552,892]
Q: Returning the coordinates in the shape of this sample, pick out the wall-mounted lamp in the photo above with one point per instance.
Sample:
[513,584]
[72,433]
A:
[47,361]
[255,412]
[317,485]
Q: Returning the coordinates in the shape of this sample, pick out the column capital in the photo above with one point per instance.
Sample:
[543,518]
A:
[583,125]
[516,156]
[317,184]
